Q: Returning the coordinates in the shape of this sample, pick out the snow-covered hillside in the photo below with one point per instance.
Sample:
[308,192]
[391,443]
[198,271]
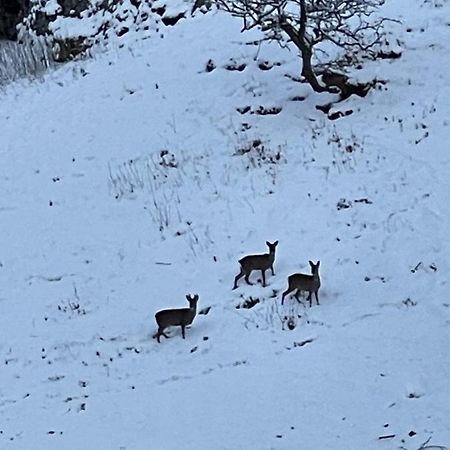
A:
[141,175]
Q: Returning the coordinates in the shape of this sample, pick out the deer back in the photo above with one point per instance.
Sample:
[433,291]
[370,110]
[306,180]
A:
[259,262]
[178,316]
[306,282]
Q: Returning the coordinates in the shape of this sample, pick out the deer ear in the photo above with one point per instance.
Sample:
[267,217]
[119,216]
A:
[196,297]
[267,243]
[311,263]
[318,263]
[188,296]
[275,243]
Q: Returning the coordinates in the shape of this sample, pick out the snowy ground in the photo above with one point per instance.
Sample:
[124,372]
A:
[126,184]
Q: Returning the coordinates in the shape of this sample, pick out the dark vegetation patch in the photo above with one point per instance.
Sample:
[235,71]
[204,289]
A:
[172,20]
[260,111]
[233,65]
[248,303]
[267,65]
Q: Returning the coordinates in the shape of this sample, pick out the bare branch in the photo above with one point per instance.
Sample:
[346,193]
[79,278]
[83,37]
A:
[349,25]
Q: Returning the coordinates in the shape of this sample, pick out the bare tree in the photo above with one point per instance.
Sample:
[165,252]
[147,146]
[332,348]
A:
[346,25]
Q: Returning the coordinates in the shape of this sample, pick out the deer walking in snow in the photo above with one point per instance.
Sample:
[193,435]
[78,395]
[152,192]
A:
[257,262]
[176,317]
[303,282]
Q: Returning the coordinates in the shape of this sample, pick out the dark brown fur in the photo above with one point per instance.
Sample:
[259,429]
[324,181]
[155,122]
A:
[176,317]
[257,262]
[303,282]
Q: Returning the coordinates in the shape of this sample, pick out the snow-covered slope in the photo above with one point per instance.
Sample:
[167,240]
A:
[131,179]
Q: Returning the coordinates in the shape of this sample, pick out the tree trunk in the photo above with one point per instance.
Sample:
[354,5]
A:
[308,71]
[299,40]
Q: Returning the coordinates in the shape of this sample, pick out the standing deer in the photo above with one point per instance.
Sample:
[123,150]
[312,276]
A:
[176,317]
[303,282]
[257,262]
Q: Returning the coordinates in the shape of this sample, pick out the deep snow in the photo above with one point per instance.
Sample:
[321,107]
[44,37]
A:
[124,187]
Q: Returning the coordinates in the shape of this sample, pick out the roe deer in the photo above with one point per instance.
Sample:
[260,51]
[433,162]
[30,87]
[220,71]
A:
[257,262]
[303,282]
[175,317]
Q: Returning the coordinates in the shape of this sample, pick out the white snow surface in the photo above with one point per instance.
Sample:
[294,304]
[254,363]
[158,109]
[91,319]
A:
[124,188]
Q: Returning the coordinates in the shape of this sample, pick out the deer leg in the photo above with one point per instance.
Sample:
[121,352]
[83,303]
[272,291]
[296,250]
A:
[238,276]
[182,331]
[286,292]
[271,268]
[246,278]
[263,272]
[297,295]
[161,333]
[317,297]
[310,299]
